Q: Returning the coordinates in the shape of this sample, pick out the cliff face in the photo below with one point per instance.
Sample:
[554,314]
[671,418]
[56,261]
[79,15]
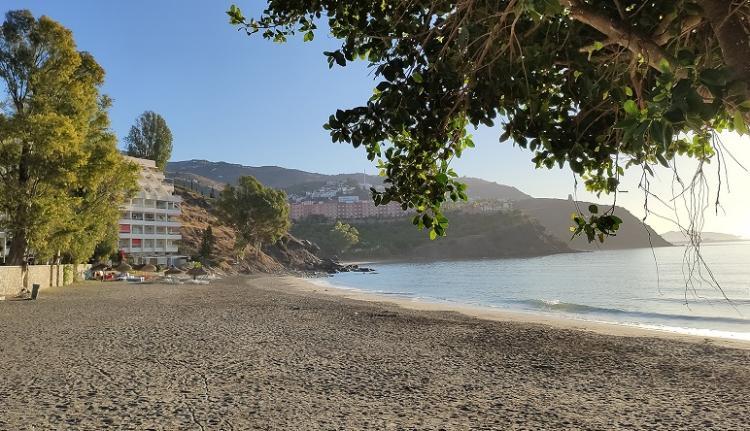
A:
[554,215]
[290,254]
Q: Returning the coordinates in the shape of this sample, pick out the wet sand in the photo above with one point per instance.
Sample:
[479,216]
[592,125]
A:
[272,353]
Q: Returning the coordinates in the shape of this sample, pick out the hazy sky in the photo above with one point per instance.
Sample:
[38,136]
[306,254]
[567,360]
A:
[245,100]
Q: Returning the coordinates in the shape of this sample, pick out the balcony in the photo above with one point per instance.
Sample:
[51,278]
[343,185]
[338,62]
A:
[150,223]
[167,211]
[165,236]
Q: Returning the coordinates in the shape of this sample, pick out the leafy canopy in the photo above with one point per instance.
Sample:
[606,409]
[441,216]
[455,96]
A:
[60,171]
[598,85]
[150,138]
[257,213]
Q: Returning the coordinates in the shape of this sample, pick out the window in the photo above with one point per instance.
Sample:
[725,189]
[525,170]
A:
[148,216]
[137,228]
[137,216]
[124,243]
[148,230]
[124,228]
[148,243]
[136,243]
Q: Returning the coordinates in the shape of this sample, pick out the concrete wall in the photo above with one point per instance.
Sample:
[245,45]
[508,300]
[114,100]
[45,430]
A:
[12,278]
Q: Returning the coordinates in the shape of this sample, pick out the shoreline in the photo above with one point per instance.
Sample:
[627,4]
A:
[307,285]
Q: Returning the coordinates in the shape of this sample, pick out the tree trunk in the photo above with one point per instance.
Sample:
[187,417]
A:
[20,242]
[18,245]
[733,39]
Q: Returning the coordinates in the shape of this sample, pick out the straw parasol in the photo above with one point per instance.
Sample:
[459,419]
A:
[99,266]
[195,272]
[124,267]
[148,268]
[173,271]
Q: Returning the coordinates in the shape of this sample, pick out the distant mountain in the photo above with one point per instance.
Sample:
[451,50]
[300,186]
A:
[554,215]
[679,238]
[209,175]
[228,173]
[483,189]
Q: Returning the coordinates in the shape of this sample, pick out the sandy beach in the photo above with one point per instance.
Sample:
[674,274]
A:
[281,353]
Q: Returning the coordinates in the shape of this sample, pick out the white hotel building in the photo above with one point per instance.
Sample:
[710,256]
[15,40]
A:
[150,222]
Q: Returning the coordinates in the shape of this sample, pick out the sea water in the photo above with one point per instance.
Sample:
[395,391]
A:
[649,288]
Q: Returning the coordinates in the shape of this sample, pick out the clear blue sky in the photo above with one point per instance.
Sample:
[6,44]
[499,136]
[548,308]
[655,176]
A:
[245,100]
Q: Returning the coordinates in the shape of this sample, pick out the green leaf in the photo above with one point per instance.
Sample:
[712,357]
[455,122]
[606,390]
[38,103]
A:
[309,36]
[662,160]
[664,65]
[739,123]
[433,234]
[417,77]
[630,107]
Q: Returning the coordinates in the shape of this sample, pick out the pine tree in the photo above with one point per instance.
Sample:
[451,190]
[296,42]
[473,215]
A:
[207,244]
[150,138]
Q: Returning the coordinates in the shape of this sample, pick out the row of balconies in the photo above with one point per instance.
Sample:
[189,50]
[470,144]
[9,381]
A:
[133,222]
[150,210]
[167,249]
[165,236]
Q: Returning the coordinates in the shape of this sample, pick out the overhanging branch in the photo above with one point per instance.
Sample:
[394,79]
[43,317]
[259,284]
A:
[618,32]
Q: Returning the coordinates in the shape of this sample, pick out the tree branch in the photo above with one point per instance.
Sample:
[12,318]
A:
[733,39]
[618,31]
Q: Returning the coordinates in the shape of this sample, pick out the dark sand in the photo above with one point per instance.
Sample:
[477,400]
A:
[262,354]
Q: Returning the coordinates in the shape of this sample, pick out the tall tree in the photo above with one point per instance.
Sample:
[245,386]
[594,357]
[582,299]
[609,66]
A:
[343,236]
[150,138]
[257,213]
[59,165]
[598,85]
[207,243]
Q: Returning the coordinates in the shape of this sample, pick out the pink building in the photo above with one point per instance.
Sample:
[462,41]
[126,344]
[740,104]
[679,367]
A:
[345,210]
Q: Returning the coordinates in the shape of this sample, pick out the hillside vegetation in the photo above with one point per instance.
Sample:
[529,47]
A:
[471,236]
[289,254]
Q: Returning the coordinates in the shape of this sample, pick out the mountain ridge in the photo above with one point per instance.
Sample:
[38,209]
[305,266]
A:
[209,178]
[285,178]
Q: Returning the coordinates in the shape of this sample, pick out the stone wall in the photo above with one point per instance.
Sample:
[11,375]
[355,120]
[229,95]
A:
[12,278]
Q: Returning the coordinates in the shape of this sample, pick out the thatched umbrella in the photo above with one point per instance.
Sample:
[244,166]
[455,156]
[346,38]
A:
[124,267]
[195,272]
[173,271]
[148,268]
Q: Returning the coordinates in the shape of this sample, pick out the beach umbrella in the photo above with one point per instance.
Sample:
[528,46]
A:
[173,271]
[148,268]
[195,272]
[99,266]
[124,267]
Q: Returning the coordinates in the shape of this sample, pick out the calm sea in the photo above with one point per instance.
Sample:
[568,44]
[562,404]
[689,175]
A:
[622,287]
